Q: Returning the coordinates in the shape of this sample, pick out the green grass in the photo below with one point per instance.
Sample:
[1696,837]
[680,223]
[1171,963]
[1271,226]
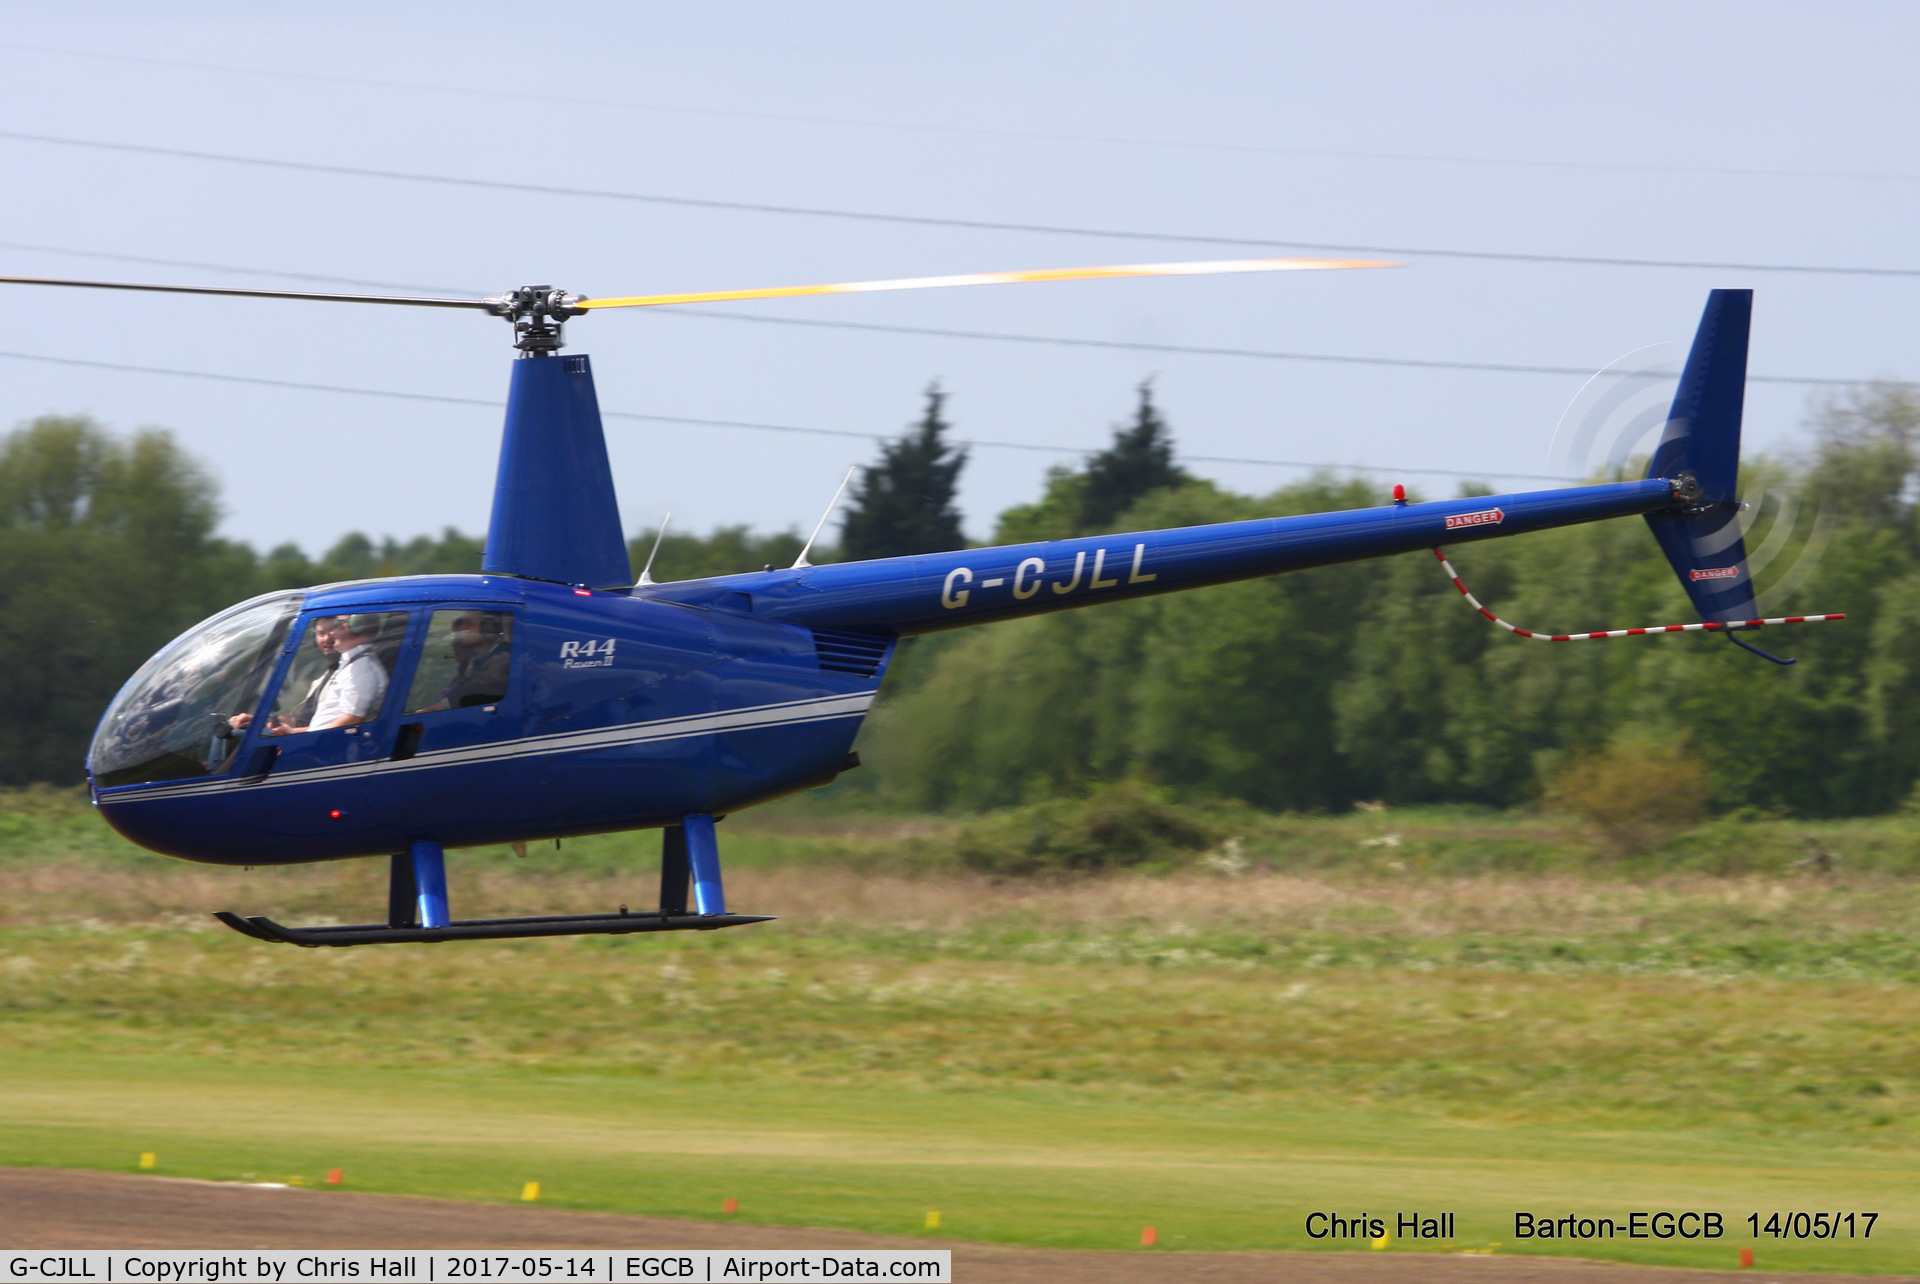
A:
[1215,1052]
[1015,1164]
[825,827]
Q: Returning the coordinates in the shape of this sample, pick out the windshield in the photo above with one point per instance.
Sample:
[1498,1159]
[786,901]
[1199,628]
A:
[173,719]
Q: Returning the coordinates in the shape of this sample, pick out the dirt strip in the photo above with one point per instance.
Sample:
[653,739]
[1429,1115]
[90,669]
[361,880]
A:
[56,1208]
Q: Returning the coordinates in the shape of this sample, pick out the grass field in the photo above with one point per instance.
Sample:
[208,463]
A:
[1215,1052]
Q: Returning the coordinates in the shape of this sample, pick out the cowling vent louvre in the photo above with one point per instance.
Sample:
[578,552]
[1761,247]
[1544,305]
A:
[844,652]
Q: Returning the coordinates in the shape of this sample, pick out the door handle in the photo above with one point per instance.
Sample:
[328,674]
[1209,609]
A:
[261,764]
[407,743]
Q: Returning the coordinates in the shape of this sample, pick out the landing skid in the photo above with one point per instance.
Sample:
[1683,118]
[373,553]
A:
[417,903]
[486,929]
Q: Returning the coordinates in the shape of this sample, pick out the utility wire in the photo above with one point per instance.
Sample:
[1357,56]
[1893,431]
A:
[927,220]
[976,131]
[1176,349]
[298,386]
[315,277]
[1417,363]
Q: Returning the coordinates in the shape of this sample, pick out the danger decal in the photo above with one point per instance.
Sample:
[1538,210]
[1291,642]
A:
[1485,517]
[1715,573]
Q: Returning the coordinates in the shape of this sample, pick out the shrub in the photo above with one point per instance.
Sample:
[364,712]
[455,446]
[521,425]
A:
[1121,826]
[1636,794]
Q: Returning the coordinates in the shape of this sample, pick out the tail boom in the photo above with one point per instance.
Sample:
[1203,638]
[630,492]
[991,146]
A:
[932,593]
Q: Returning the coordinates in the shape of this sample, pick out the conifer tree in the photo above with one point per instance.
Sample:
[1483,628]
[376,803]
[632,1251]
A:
[904,504]
[1139,462]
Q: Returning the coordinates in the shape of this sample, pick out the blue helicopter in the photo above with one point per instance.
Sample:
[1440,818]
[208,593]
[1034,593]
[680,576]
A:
[551,695]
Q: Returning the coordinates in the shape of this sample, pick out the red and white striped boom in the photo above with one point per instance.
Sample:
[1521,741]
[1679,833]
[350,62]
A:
[1703,627]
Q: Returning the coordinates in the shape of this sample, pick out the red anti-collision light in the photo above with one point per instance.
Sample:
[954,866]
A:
[1399,493]
[582,593]
[333,815]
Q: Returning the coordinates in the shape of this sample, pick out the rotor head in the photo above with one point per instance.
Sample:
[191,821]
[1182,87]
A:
[537,313]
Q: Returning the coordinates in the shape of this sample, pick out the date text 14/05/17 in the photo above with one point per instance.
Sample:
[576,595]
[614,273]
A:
[1813,1225]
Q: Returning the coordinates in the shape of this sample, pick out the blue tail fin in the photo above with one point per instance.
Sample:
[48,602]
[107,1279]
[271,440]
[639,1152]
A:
[1700,453]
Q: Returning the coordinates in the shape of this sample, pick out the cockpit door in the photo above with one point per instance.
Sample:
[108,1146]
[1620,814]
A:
[325,726]
[456,720]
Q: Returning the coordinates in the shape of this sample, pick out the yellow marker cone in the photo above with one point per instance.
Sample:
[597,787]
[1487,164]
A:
[530,1192]
[933,1221]
[146,1159]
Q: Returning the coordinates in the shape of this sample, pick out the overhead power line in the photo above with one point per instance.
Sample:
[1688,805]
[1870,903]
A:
[1174,349]
[228,268]
[927,220]
[1180,349]
[685,420]
[975,131]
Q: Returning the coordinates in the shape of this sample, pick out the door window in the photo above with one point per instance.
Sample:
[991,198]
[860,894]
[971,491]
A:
[466,661]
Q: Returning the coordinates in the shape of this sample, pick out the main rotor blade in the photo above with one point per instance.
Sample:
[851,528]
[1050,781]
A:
[400,299]
[990,278]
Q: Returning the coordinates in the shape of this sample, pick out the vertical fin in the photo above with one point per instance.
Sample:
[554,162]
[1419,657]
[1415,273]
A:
[1700,453]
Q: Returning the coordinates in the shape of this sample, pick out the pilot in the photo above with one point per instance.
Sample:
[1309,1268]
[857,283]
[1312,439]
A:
[359,684]
[481,648]
[326,642]
[353,690]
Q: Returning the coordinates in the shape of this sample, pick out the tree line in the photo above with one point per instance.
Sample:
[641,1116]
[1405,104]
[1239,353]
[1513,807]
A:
[1373,681]
[1310,691]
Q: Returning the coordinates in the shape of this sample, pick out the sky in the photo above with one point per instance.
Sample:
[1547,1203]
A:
[1767,135]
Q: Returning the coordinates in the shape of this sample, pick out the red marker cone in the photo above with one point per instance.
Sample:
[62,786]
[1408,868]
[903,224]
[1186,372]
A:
[730,1206]
[1149,1237]
[1746,1259]
[333,1176]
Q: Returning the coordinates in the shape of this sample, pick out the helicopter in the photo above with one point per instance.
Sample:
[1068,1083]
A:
[553,695]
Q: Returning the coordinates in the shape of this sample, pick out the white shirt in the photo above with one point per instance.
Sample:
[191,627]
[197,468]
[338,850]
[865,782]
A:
[356,688]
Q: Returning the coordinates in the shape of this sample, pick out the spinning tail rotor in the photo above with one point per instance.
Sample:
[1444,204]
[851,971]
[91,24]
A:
[1698,453]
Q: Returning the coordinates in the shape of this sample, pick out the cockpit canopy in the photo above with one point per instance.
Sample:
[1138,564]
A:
[171,720]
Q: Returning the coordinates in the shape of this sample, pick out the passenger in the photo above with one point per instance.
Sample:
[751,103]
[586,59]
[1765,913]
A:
[480,646]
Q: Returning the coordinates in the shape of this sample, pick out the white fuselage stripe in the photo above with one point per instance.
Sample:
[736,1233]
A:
[756,717]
